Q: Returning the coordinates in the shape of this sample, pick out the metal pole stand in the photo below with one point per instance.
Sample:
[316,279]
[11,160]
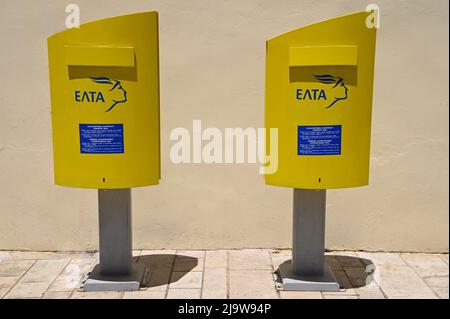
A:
[308,270]
[115,271]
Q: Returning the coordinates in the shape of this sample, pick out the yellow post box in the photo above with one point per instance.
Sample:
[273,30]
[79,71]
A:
[319,81]
[104,81]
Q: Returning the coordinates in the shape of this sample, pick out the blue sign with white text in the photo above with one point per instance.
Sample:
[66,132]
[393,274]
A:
[101,138]
[319,140]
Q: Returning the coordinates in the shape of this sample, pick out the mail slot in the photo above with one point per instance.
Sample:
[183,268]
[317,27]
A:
[104,83]
[319,82]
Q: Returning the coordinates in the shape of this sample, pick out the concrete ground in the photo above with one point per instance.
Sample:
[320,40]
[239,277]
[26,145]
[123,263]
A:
[247,273]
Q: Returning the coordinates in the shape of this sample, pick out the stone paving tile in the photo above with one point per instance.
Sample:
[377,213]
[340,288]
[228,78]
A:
[401,282]
[183,294]
[339,296]
[279,257]
[216,258]
[427,264]
[251,284]
[15,268]
[144,294]
[279,260]
[72,274]
[188,264]
[44,271]
[39,277]
[97,295]
[358,276]
[4,255]
[249,259]
[439,284]
[28,290]
[369,292]
[333,262]
[182,279]
[346,287]
[383,258]
[159,279]
[54,275]
[281,252]
[348,259]
[191,253]
[56,295]
[214,283]
[5,284]
[441,292]
[157,260]
[51,255]
[146,252]
[343,280]
[437,281]
[301,295]
[341,292]
[3,292]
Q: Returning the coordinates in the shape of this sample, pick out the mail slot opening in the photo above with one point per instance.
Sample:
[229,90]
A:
[310,73]
[117,72]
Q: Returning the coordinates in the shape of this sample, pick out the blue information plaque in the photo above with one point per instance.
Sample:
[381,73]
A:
[101,138]
[319,140]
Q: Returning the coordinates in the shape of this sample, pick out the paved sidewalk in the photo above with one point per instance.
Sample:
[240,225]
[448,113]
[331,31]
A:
[247,273]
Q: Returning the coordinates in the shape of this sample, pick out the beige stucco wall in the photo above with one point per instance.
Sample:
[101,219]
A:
[212,68]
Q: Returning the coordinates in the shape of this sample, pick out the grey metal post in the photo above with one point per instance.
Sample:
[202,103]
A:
[308,270]
[308,245]
[115,253]
[116,270]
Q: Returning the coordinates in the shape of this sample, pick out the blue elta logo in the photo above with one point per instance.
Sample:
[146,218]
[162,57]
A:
[330,97]
[115,95]
[339,90]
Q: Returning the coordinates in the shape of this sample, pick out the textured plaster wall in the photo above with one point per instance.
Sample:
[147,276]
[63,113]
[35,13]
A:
[212,68]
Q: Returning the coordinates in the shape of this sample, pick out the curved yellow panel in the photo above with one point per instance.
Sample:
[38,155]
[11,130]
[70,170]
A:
[319,81]
[104,82]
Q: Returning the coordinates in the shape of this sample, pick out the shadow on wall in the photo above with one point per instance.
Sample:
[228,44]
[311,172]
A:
[164,269]
[350,272]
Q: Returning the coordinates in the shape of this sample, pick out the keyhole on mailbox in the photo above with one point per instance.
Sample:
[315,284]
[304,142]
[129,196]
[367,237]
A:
[104,179]
[320,179]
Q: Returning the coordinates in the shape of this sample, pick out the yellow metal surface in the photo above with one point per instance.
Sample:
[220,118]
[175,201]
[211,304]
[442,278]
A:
[319,83]
[99,56]
[104,82]
[323,55]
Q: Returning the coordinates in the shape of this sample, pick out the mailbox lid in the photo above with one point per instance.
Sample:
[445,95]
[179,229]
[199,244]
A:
[104,84]
[111,56]
[319,81]
[331,55]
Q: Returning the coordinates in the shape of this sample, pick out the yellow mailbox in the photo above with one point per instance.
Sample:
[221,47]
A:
[104,80]
[319,81]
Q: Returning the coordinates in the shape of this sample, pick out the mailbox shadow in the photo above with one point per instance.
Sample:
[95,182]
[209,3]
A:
[350,272]
[306,74]
[118,73]
[164,269]
[114,72]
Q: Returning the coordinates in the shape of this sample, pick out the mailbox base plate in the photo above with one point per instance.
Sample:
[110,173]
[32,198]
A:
[129,282]
[291,281]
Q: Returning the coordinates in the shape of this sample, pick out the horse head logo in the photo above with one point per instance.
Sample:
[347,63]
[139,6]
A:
[118,93]
[339,89]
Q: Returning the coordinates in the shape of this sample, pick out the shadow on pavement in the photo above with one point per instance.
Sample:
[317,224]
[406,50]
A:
[350,272]
[164,269]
